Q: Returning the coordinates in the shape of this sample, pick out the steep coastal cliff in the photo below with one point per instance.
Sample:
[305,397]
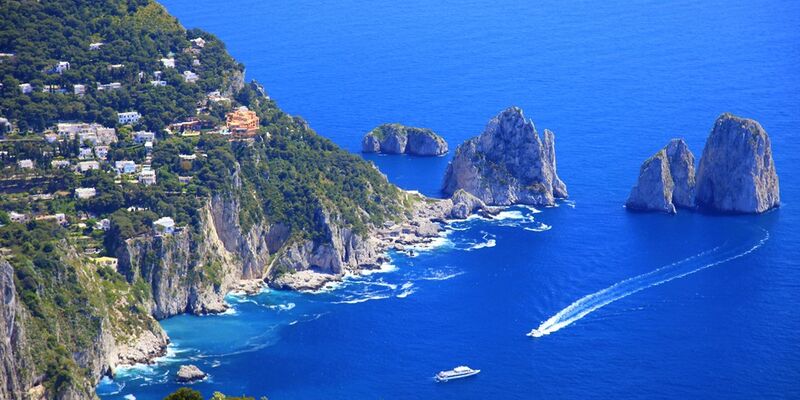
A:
[401,139]
[507,164]
[666,180]
[737,173]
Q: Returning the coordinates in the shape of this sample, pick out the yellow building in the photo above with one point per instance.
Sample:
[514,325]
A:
[242,122]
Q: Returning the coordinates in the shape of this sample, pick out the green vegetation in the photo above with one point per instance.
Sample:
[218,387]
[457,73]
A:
[286,174]
[134,33]
[185,393]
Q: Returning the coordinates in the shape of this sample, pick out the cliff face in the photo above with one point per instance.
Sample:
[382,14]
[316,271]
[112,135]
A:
[666,180]
[737,173]
[400,139]
[17,376]
[507,164]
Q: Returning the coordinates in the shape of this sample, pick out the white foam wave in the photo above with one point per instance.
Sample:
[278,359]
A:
[541,228]
[441,276]
[625,288]
[405,293]
[129,397]
[362,299]
[384,268]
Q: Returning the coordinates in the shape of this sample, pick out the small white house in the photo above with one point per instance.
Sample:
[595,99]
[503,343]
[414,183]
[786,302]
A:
[190,77]
[104,224]
[18,217]
[109,86]
[101,152]
[164,226]
[158,83]
[79,90]
[144,137]
[25,164]
[129,117]
[125,167]
[168,62]
[85,153]
[60,163]
[198,42]
[85,193]
[84,166]
[26,88]
[147,177]
[61,67]
[96,45]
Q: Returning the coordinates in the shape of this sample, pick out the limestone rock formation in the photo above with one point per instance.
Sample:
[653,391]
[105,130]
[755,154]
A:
[666,180]
[507,164]
[400,139]
[737,173]
[190,373]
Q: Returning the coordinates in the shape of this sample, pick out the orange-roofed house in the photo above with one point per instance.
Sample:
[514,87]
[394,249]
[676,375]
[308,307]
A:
[242,122]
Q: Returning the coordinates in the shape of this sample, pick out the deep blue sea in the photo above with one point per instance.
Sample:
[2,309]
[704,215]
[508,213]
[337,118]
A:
[637,305]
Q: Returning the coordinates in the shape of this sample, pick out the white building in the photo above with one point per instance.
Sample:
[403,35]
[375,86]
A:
[144,136]
[79,90]
[101,152]
[158,83]
[187,157]
[198,42]
[60,163]
[147,177]
[25,164]
[109,86]
[26,88]
[168,62]
[50,137]
[85,193]
[190,76]
[18,217]
[129,117]
[164,226]
[84,166]
[125,167]
[85,153]
[96,45]
[61,67]
[104,224]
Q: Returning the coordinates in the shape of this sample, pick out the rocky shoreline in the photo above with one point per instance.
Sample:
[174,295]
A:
[426,223]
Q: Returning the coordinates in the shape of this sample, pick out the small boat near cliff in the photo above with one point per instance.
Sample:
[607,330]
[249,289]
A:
[456,373]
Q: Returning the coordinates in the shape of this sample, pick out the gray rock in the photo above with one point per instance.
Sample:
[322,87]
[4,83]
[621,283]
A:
[465,204]
[400,139]
[653,191]
[681,168]
[190,373]
[666,180]
[507,164]
[737,173]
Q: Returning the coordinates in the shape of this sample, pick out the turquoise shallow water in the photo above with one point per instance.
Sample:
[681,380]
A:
[717,319]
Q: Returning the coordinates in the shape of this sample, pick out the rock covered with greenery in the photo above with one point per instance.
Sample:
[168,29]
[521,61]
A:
[401,139]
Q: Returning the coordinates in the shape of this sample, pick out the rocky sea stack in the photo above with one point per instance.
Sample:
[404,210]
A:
[666,180]
[507,164]
[190,373]
[737,173]
[401,139]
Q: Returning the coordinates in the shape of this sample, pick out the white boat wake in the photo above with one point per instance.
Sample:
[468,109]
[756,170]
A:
[625,288]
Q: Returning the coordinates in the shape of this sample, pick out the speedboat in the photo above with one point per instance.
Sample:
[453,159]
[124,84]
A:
[456,373]
[534,333]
